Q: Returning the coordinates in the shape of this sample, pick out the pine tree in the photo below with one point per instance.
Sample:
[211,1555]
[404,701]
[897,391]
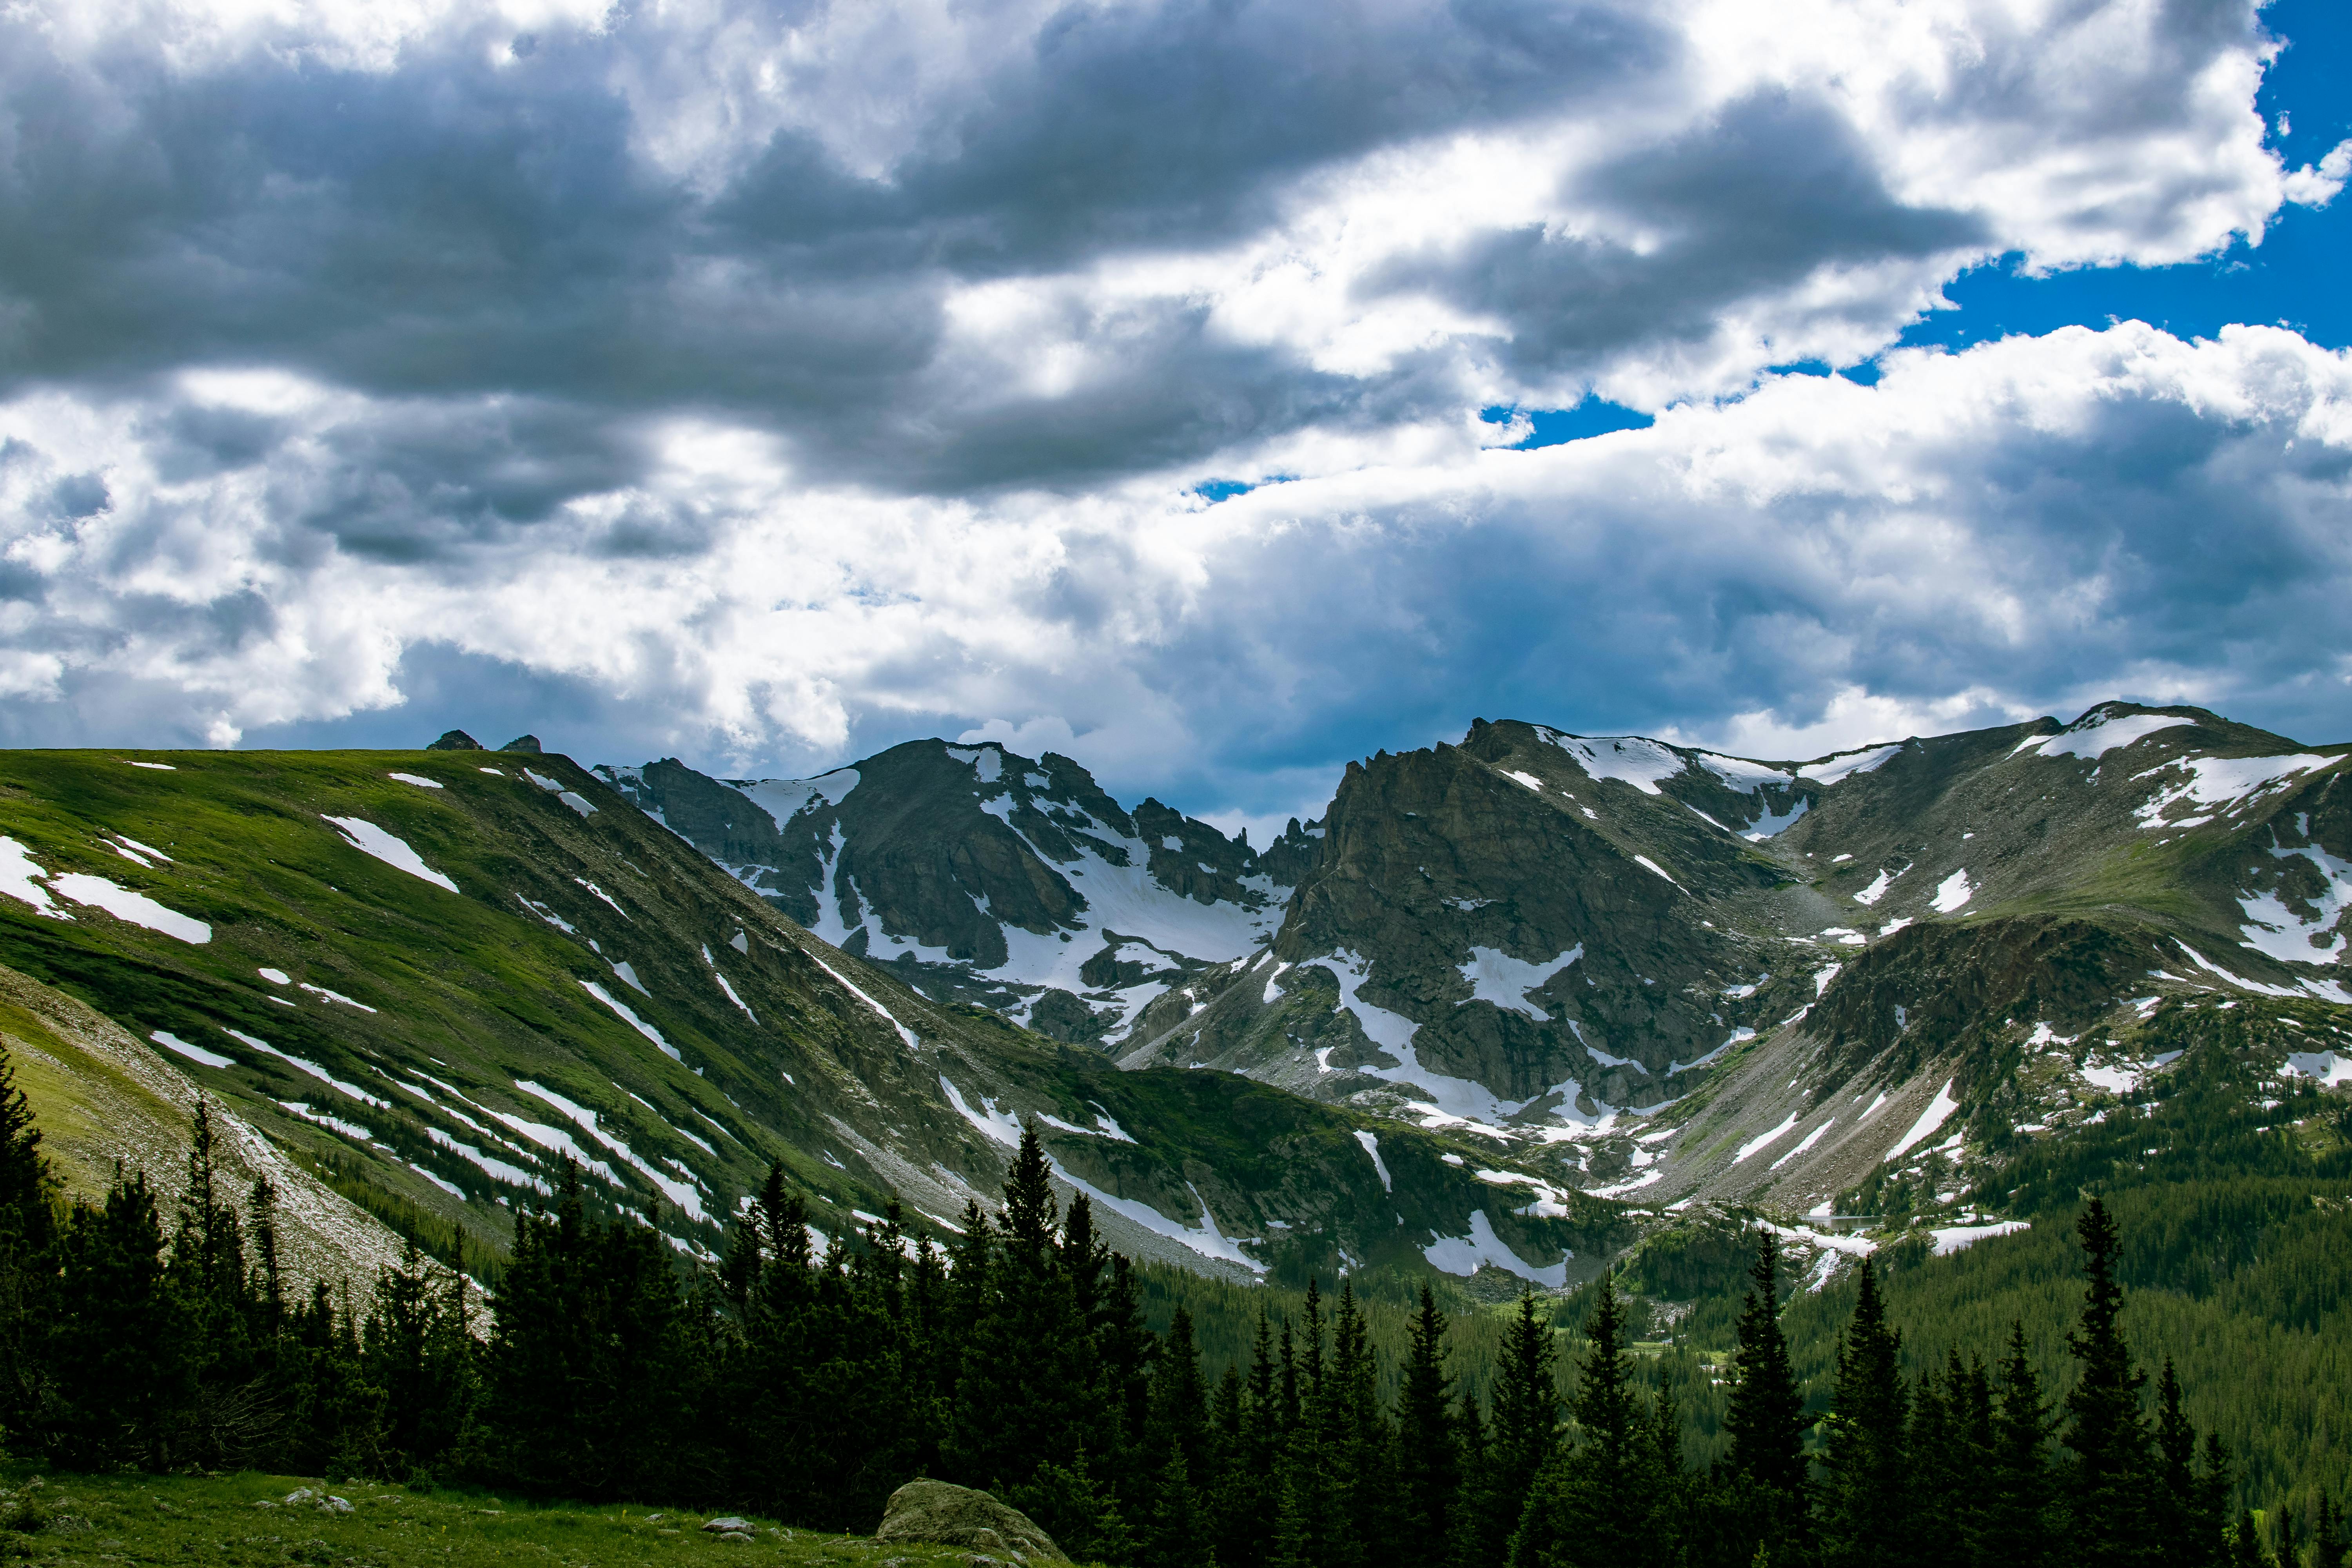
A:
[1029,1390]
[1867,1503]
[2186,1536]
[1765,1419]
[125,1356]
[29,1237]
[1524,1436]
[2327,1545]
[1429,1461]
[2014,1531]
[2109,1485]
[1592,1506]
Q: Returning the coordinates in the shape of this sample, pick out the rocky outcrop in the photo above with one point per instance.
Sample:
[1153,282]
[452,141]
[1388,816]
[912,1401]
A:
[944,1514]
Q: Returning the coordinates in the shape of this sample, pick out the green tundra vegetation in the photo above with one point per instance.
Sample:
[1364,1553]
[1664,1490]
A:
[805,1388]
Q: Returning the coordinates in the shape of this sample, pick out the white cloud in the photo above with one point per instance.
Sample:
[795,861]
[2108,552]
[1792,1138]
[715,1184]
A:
[782,374]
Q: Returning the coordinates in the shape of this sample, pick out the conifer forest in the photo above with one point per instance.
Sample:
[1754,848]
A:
[809,1385]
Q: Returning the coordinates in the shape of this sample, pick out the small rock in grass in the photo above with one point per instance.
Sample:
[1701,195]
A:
[720,1526]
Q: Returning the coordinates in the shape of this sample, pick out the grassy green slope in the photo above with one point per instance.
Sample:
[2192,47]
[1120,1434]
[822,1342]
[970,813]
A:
[79,1522]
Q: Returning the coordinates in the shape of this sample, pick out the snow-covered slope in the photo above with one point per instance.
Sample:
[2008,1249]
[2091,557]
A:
[988,877]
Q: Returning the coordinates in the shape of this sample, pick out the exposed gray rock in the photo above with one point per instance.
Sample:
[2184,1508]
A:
[523,743]
[951,1515]
[455,740]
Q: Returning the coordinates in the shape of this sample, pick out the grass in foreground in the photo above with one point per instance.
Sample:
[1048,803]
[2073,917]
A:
[246,1521]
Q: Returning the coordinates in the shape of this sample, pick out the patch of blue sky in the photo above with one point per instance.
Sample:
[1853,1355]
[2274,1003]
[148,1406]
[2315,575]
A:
[1556,426]
[2293,277]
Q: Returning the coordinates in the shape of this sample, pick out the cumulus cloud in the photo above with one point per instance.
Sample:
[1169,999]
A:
[767,380]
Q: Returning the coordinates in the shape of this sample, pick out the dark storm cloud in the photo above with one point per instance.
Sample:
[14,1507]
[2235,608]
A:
[1770,191]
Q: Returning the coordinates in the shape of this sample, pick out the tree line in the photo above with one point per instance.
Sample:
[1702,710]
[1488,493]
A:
[808,1386]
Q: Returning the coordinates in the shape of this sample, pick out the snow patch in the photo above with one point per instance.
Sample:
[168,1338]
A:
[1951,1239]
[1497,977]
[1372,1147]
[2221,782]
[1952,892]
[1939,1111]
[905,1033]
[2278,932]
[1463,1255]
[1629,759]
[323,995]
[418,780]
[621,1009]
[2329,1068]
[2098,734]
[173,1042]
[133,909]
[376,844]
[1838,766]
[679,1192]
[1811,1139]
[1757,1142]
[313,1068]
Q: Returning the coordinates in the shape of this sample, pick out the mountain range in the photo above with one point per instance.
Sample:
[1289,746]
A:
[1509,1007]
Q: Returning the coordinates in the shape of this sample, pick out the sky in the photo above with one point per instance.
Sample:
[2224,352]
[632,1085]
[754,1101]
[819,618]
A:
[1213,391]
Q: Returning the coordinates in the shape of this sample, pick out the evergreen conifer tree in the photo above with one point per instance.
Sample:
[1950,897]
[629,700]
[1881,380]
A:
[2327,1544]
[1429,1461]
[1592,1506]
[2245,1544]
[1867,1501]
[28,1262]
[125,1358]
[1029,1389]
[1524,1433]
[2014,1531]
[1766,1499]
[2186,1537]
[2110,1482]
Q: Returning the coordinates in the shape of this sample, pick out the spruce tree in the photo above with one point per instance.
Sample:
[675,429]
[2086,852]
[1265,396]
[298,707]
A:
[2327,1545]
[2014,1531]
[1429,1463]
[2186,1536]
[1592,1506]
[124,1346]
[1029,1390]
[1867,1501]
[1767,1497]
[1362,1445]
[2110,1484]
[29,1237]
[1524,1433]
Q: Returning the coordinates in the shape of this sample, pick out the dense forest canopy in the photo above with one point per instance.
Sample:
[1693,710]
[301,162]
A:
[810,1383]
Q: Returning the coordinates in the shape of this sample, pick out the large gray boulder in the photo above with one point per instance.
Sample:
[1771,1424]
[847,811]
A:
[951,1515]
